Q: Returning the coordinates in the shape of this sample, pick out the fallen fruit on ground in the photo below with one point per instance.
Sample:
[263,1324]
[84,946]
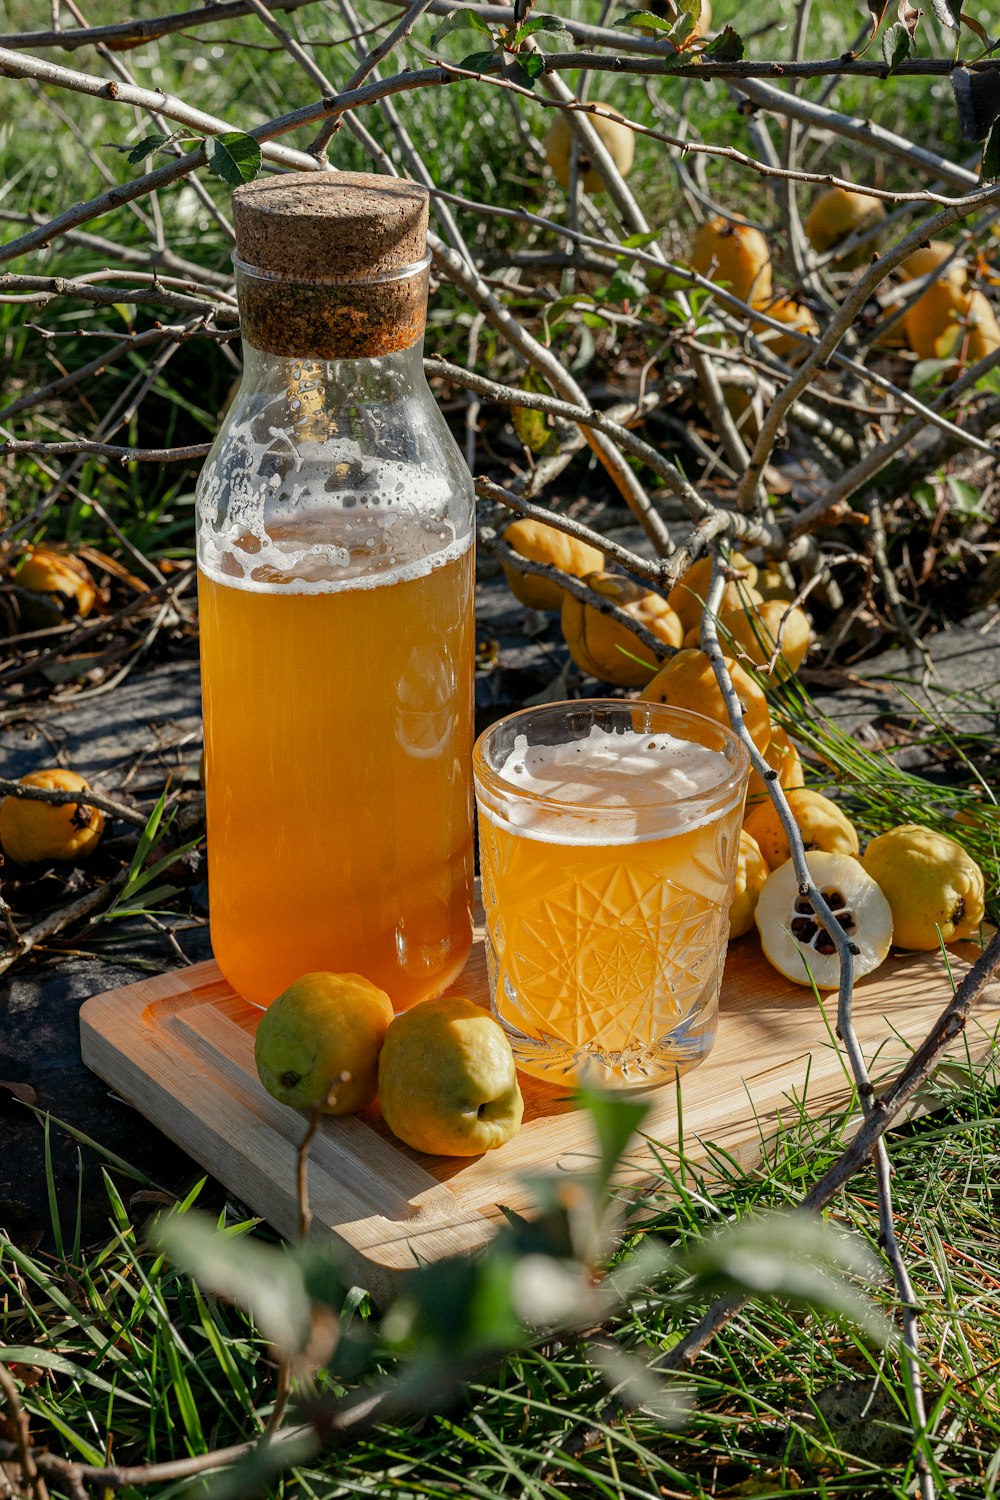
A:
[771,582]
[607,649]
[951,319]
[782,756]
[928,258]
[756,632]
[320,1040]
[751,873]
[975,336]
[734,255]
[687,597]
[836,215]
[617,139]
[791,936]
[745,407]
[446,1079]
[688,681]
[932,885]
[821,822]
[546,544]
[58,585]
[32,832]
[796,316]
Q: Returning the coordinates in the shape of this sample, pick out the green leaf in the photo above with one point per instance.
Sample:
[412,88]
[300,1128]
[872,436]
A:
[477,62]
[531,427]
[625,286]
[647,21]
[532,65]
[799,1258]
[616,1120]
[683,28]
[926,371]
[990,169]
[235,157]
[594,320]
[640,241]
[563,305]
[138,877]
[550,24]
[461,20]
[925,497]
[267,1281]
[147,146]
[895,45]
[966,497]
[42,1359]
[726,47]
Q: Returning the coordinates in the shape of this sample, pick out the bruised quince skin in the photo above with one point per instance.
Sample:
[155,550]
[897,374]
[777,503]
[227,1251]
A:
[931,884]
[319,1042]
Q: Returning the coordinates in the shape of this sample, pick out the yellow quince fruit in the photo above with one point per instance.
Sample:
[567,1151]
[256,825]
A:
[58,587]
[31,832]
[616,138]
[836,215]
[447,1082]
[782,755]
[757,631]
[792,939]
[687,597]
[930,882]
[320,1041]
[603,646]
[735,255]
[688,681]
[821,822]
[546,544]
[751,873]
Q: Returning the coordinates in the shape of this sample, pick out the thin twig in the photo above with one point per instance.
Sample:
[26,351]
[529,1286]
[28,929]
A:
[104,450]
[18,1419]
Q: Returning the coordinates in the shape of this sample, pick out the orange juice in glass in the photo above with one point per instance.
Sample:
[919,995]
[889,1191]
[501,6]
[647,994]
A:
[608,836]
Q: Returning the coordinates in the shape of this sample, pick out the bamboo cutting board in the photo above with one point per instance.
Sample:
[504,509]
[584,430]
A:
[179,1047]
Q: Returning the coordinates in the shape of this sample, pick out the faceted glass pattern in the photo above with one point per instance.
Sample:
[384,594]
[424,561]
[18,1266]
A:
[606,961]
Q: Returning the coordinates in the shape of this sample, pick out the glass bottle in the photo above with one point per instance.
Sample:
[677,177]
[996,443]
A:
[335,532]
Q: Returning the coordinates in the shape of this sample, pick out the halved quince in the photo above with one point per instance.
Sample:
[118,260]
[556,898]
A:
[791,936]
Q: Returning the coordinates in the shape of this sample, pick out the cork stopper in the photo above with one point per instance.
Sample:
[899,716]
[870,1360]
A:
[331,265]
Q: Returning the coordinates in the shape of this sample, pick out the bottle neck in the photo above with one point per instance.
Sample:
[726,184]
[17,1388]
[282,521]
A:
[327,396]
[333,321]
